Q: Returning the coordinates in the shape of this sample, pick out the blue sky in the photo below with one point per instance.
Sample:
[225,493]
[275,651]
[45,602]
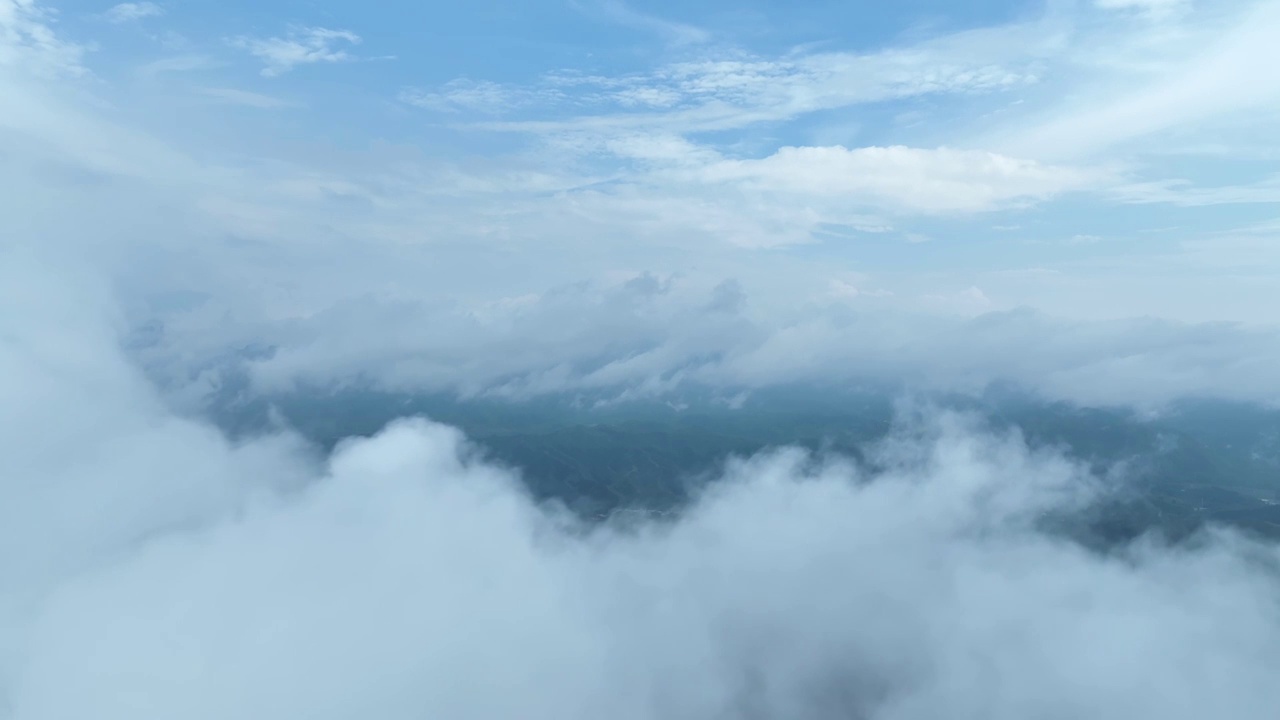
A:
[1093,160]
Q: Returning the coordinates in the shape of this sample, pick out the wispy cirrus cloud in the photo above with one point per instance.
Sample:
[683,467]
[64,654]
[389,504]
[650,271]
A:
[1188,194]
[483,97]
[1151,7]
[132,12]
[300,46]
[624,14]
[736,93]
[1169,88]
[912,179]
[652,118]
[28,41]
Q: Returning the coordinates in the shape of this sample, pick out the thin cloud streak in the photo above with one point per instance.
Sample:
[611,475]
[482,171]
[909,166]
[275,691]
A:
[301,46]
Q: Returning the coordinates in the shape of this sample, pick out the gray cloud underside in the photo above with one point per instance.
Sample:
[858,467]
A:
[651,337]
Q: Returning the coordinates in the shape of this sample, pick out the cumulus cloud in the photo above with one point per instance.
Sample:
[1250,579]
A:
[154,570]
[301,46]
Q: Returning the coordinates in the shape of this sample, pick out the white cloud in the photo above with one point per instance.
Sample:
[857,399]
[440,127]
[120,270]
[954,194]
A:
[28,41]
[319,254]
[483,97]
[729,89]
[1080,85]
[301,46]
[399,305]
[648,96]
[927,180]
[726,94]
[132,12]
[155,570]
[1185,193]
[623,339]
[1215,71]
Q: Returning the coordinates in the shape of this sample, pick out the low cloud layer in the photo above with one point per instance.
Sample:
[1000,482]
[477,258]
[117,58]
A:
[153,570]
[648,336]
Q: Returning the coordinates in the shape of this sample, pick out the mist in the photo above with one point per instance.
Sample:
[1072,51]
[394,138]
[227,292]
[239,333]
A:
[154,569]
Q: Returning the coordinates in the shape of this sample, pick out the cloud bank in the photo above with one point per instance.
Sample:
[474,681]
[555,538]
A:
[651,336]
[154,570]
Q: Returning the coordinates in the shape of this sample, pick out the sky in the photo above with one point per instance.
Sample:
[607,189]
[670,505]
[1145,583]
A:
[625,200]
[289,177]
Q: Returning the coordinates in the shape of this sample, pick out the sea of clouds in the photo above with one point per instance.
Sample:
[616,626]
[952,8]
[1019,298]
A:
[153,569]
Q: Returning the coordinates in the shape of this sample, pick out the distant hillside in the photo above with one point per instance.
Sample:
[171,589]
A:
[1197,463]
